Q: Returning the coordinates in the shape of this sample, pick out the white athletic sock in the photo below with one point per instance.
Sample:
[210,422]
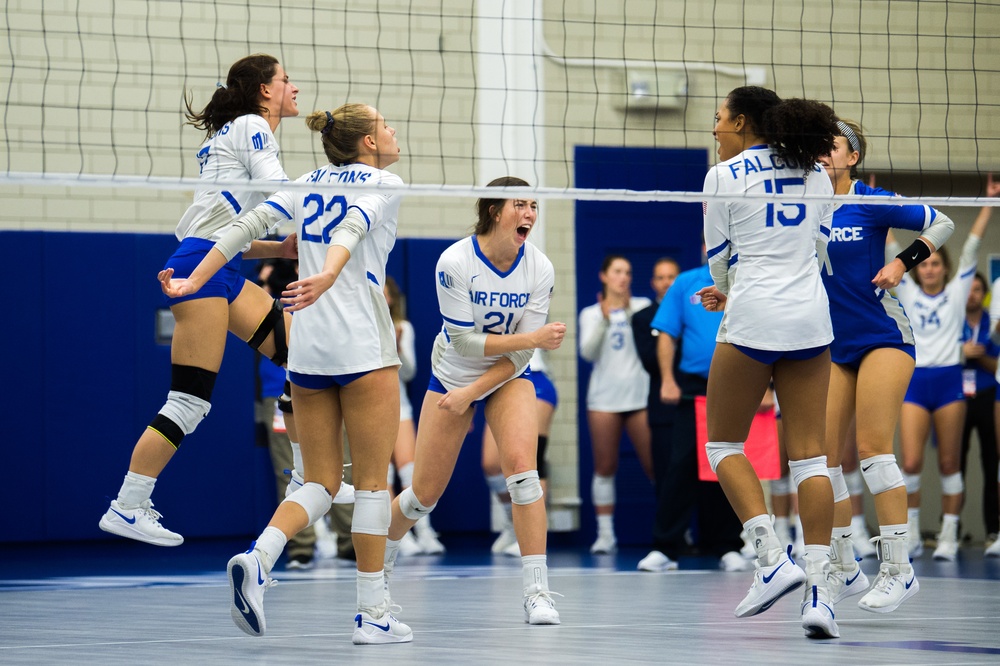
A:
[534,571]
[815,551]
[269,546]
[842,532]
[902,531]
[296,457]
[606,525]
[949,519]
[135,490]
[858,523]
[371,590]
[391,550]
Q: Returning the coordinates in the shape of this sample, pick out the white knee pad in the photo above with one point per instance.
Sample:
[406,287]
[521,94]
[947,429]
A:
[719,451]
[911,481]
[313,498]
[952,484]
[524,488]
[406,475]
[882,473]
[372,512]
[412,508]
[782,486]
[497,484]
[840,491]
[800,470]
[186,410]
[602,490]
[855,482]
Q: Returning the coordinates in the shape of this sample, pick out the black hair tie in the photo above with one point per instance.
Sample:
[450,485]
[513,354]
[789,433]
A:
[329,124]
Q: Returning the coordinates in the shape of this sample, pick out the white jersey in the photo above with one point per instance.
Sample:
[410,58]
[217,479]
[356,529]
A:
[407,367]
[475,294]
[348,329]
[938,320]
[618,382]
[244,149]
[764,255]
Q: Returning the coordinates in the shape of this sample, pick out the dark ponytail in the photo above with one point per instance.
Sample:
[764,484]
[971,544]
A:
[799,130]
[238,96]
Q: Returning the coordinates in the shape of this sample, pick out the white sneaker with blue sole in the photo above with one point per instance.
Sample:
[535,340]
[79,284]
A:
[141,523]
[379,629]
[844,582]
[247,584]
[896,581]
[770,583]
[817,614]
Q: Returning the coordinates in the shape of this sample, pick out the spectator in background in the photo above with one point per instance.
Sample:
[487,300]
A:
[659,415]
[935,296]
[616,396]
[980,388]
[685,326]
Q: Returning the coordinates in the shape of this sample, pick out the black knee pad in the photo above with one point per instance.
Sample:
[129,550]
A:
[187,403]
[543,467]
[273,321]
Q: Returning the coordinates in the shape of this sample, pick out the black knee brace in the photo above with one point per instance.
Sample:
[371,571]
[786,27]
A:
[188,403]
[273,321]
[543,467]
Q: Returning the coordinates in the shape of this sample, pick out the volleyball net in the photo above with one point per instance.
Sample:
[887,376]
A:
[94,134]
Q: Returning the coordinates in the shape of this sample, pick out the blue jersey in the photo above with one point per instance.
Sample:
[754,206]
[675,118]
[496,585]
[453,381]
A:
[865,317]
[981,334]
[682,317]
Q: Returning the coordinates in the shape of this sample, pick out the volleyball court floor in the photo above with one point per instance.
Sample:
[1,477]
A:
[119,602]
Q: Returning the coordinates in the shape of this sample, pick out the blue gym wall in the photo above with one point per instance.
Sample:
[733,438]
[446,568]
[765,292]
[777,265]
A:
[83,376]
[642,232]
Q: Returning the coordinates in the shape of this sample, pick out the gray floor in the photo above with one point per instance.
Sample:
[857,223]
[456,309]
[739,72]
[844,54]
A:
[472,614]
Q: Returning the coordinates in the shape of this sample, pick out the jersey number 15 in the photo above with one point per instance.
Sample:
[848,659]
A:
[777,187]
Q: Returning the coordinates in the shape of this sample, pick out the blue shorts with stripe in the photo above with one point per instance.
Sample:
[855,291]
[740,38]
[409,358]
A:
[226,283]
[933,388]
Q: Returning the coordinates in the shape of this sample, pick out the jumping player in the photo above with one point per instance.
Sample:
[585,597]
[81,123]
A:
[240,120]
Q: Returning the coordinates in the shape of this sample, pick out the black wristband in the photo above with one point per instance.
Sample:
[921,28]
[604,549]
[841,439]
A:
[914,254]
